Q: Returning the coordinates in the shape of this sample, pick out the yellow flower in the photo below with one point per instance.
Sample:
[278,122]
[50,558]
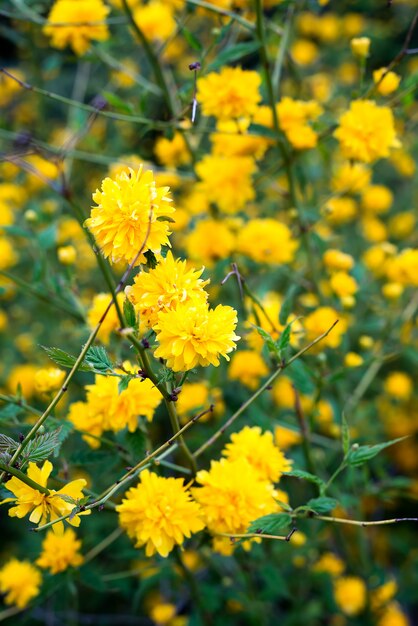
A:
[230,94]
[77,23]
[304,52]
[8,256]
[156,20]
[388,84]
[352,359]
[60,551]
[111,322]
[127,216]
[330,563]
[247,366]
[340,210]
[267,241]
[286,437]
[83,417]
[377,199]
[320,321]
[47,380]
[360,46]
[232,139]
[44,508]
[9,87]
[210,241]
[383,594]
[350,178]
[404,268]
[232,495]
[335,260]
[258,448]
[227,181]
[343,284]
[194,397]
[195,335]
[399,385]
[67,255]
[402,225]
[172,152]
[164,287]
[350,594]
[393,616]
[20,581]
[159,513]
[22,376]
[293,120]
[163,613]
[376,258]
[366,132]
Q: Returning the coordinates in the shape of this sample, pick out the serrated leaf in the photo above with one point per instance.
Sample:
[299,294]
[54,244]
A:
[306,476]
[270,524]
[10,411]
[322,505]
[124,382]
[129,313]
[234,53]
[345,434]
[151,259]
[287,305]
[42,446]
[62,358]
[268,339]
[66,498]
[7,443]
[361,454]
[116,102]
[98,359]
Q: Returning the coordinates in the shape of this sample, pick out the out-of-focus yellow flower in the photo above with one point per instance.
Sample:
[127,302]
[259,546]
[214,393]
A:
[49,379]
[329,563]
[398,385]
[286,438]
[318,322]
[335,260]
[111,322]
[350,178]
[353,359]
[294,116]
[343,284]
[366,132]
[267,241]
[339,211]
[350,594]
[59,552]
[230,94]
[304,52]
[172,152]
[194,397]
[377,199]
[227,181]
[360,47]
[386,82]
[126,219]
[376,258]
[195,335]
[165,286]
[381,596]
[22,376]
[210,241]
[77,23]
[247,366]
[67,255]
[403,268]
[163,613]
[402,225]
[20,581]
[159,513]
[260,451]
[393,616]
[392,291]
[353,24]
[403,162]
[8,256]
[42,507]
[366,342]
[156,20]
[125,76]
[232,139]
[9,87]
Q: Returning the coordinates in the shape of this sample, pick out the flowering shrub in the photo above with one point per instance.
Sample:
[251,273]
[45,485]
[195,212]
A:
[208,274]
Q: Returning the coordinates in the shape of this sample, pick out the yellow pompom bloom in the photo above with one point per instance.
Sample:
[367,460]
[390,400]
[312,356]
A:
[335,260]
[195,335]
[286,437]
[320,321]
[47,380]
[8,256]
[159,513]
[342,284]
[127,216]
[352,359]
[20,581]
[247,366]
[232,495]
[267,241]
[227,181]
[60,552]
[294,116]
[350,594]
[403,162]
[340,210]
[172,152]
[230,94]
[42,507]
[376,258]
[258,448]
[156,20]
[393,616]
[366,132]
[388,84]
[164,287]
[404,268]
[329,563]
[402,225]
[76,23]
[194,397]
[350,178]
[210,241]
[377,199]
[360,46]
[84,418]
[111,323]
[399,385]
[232,139]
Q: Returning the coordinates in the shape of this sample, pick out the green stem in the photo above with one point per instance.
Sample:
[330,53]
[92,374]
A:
[354,522]
[194,590]
[105,543]
[176,429]
[25,479]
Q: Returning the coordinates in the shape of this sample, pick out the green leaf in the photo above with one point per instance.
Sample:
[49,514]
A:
[151,259]
[98,359]
[268,340]
[10,412]
[270,524]
[193,42]
[234,53]
[17,231]
[124,382]
[62,358]
[287,305]
[301,377]
[7,443]
[361,454]
[48,237]
[166,218]
[284,339]
[116,102]
[345,434]
[322,505]
[42,446]
[261,131]
[306,476]
[136,443]
[129,313]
